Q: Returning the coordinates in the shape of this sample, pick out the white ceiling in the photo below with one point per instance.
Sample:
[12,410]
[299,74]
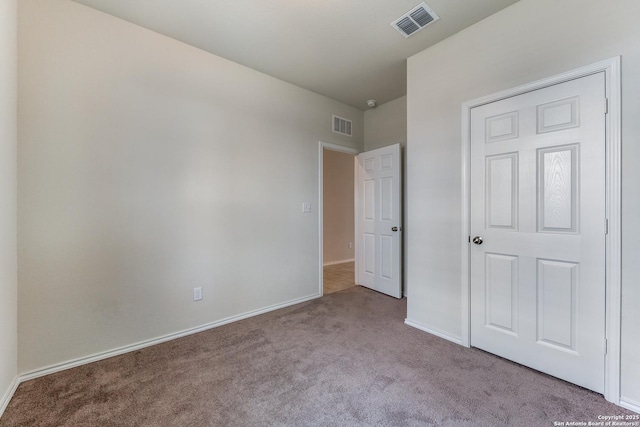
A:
[343,49]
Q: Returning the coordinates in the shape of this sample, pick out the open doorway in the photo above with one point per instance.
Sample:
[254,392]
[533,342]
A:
[338,218]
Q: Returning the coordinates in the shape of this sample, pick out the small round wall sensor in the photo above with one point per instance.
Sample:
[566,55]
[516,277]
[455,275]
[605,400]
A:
[371,103]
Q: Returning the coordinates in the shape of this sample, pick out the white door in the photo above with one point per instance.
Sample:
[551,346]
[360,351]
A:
[380,220]
[538,204]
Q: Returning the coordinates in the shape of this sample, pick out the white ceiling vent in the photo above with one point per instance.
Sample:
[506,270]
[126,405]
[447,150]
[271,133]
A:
[415,20]
[342,125]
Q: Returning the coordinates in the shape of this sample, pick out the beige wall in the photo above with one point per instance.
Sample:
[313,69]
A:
[530,40]
[338,207]
[8,122]
[386,124]
[146,168]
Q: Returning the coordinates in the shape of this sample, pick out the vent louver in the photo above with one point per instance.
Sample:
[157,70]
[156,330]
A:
[342,125]
[415,20]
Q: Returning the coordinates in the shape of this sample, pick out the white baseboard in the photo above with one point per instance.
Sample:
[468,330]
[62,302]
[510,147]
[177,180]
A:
[432,331]
[630,405]
[4,402]
[148,343]
[342,261]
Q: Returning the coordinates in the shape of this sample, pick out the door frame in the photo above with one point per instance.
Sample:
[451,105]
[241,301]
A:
[611,68]
[334,147]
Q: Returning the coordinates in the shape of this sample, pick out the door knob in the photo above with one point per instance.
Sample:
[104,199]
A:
[394,228]
[477,240]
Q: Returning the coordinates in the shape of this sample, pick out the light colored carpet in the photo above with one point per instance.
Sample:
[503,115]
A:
[346,359]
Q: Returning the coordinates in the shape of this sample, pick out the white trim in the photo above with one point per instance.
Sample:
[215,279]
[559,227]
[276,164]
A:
[432,331]
[342,261]
[465,305]
[356,209]
[4,402]
[611,68]
[333,147]
[613,371]
[148,343]
[630,404]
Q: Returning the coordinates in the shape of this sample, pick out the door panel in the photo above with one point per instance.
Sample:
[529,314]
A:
[369,200]
[557,303]
[538,202]
[501,294]
[502,191]
[369,256]
[558,189]
[379,220]
[386,199]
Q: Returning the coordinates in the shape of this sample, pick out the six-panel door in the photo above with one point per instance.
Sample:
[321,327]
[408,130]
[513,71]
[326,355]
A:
[538,202]
[379,220]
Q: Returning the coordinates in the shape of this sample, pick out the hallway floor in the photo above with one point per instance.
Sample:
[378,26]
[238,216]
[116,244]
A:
[338,277]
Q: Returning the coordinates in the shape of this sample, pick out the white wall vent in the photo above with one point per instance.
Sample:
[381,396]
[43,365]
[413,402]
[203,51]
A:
[415,20]
[342,125]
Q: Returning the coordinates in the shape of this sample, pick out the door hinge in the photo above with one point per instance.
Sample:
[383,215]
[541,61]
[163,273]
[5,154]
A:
[606,226]
[469,239]
[606,105]
[605,346]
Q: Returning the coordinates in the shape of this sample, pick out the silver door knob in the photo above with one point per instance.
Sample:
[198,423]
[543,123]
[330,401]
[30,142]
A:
[394,228]
[477,240]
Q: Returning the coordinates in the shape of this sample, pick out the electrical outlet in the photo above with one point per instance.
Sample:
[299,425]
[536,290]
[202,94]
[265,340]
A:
[197,293]
[350,245]
[306,207]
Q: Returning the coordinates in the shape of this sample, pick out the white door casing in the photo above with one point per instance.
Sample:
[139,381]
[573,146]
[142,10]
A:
[333,147]
[538,201]
[379,224]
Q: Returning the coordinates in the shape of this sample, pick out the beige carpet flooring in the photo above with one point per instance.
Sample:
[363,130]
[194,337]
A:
[337,277]
[346,359]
